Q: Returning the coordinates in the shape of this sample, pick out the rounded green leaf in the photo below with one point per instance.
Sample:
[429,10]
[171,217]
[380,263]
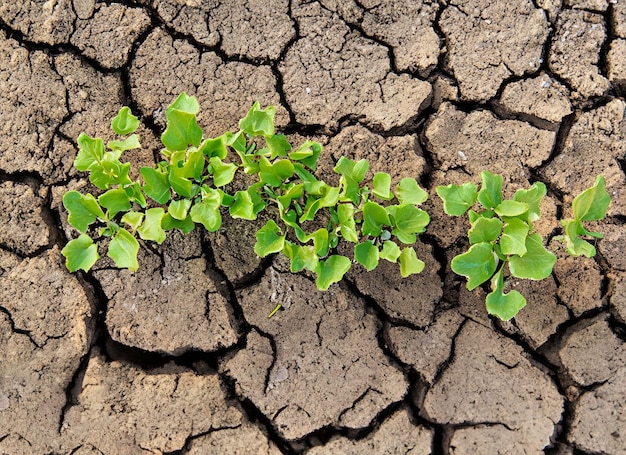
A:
[513,239]
[223,173]
[182,130]
[485,230]
[184,103]
[374,217]
[457,198]
[511,208]
[504,306]
[151,229]
[407,220]
[345,213]
[133,219]
[409,263]
[258,122]
[207,211]
[157,184]
[533,197]
[408,191]
[124,122]
[269,239]
[178,209]
[574,244]
[115,200]
[83,210]
[536,264]
[90,152]
[321,241]
[302,257]
[490,194]
[80,254]
[477,264]
[331,271]
[367,255]
[123,250]
[382,186]
[278,146]
[390,251]
[131,142]
[185,226]
[592,204]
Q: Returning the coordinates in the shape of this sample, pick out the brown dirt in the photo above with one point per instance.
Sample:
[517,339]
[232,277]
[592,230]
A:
[181,358]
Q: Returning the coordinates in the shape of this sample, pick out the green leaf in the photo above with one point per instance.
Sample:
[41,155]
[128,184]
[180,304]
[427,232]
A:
[124,122]
[382,186]
[83,210]
[80,254]
[182,130]
[511,208]
[513,239]
[320,241]
[278,145]
[314,204]
[214,147]
[409,192]
[157,185]
[345,213]
[274,173]
[536,264]
[109,172]
[135,194]
[151,229]
[407,220]
[409,263]
[185,226]
[533,197]
[207,211]
[308,154]
[504,306]
[131,142]
[351,175]
[90,152]
[490,194]
[374,217]
[123,250]
[184,103]
[390,251]
[574,244]
[133,219]
[180,184]
[367,255]
[258,122]
[115,201]
[178,209]
[331,271]
[223,173]
[592,204]
[485,230]
[269,239]
[457,198]
[302,257]
[247,205]
[294,191]
[477,264]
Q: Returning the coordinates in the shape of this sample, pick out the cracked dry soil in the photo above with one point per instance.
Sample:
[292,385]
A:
[181,358]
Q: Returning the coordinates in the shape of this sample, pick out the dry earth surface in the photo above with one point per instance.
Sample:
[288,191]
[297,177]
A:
[181,358]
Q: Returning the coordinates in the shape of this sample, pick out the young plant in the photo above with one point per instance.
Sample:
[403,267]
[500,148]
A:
[190,187]
[502,235]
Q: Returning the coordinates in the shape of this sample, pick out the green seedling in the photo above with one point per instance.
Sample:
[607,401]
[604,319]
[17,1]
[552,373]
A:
[502,236]
[189,187]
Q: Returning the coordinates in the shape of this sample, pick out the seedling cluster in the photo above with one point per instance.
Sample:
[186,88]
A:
[306,217]
[502,234]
